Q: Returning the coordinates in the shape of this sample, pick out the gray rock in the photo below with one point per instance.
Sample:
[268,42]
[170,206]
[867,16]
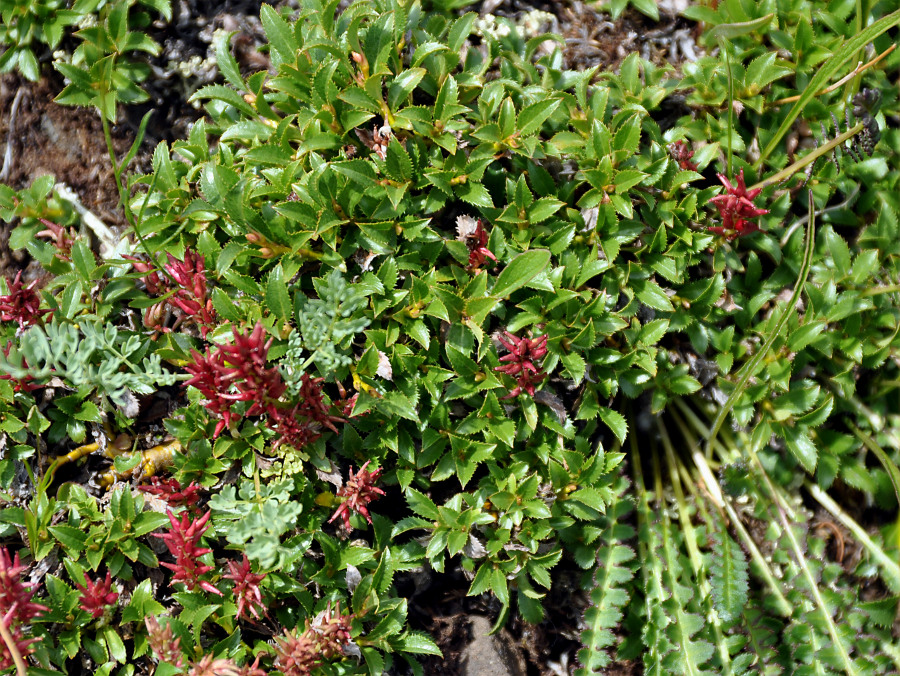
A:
[484,656]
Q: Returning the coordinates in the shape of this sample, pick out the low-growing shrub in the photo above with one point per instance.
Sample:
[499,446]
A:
[427,299]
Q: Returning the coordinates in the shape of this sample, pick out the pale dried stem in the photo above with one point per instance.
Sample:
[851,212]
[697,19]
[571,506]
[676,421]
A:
[849,76]
[10,135]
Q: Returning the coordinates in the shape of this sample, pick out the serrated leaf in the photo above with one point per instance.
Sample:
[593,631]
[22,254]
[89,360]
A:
[403,85]
[422,505]
[359,171]
[460,30]
[278,32]
[416,642]
[226,62]
[70,537]
[475,194]
[397,164]
[628,136]
[532,117]
[728,576]
[543,209]
[84,261]
[223,93]
[277,297]
[521,270]
[615,421]
[797,440]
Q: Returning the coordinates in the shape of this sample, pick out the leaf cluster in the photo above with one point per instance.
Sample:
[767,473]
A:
[346,203]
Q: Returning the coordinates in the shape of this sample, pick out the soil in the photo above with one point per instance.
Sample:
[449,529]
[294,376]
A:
[68,142]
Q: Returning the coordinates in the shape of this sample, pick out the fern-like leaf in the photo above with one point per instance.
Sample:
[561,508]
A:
[654,590]
[609,594]
[763,631]
[729,579]
[692,651]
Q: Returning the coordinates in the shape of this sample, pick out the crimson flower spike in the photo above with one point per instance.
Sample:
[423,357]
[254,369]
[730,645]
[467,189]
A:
[96,595]
[520,362]
[182,541]
[22,304]
[358,492]
[736,208]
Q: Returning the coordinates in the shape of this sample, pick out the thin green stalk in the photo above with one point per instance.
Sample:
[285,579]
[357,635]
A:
[848,666]
[724,50]
[701,427]
[824,149]
[889,566]
[680,623]
[117,172]
[123,197]
[750,367]
[694,555]
[824,73]
[889,466]
[878,290]
[862,14]
[712,486]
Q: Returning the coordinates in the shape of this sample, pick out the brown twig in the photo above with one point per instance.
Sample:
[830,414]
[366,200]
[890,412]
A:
[856,71]
[838,537]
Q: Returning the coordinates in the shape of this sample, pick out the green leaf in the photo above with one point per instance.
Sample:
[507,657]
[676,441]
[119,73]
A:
[459,31]
[84,261]
[422,505]
[69,537]
[397,164]
[224,306]
[730,31]
[359,171]
[615,421]
[28,65]
[403,85]
[416,642]
[797,440]
[475,194]
[115,645]
[278,32]
[728,576]
[70,303]
[277,297]
[628,179]
[543,209]
[628,136]
[824,73]
[650,294]
[226,62]
[521,270]
[223,93]
[532,117]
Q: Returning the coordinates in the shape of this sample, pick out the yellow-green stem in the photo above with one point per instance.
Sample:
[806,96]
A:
[889,566]
[719,500]
[21,668]
[800,558]
[794,168]
[889,466]
[694,555]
